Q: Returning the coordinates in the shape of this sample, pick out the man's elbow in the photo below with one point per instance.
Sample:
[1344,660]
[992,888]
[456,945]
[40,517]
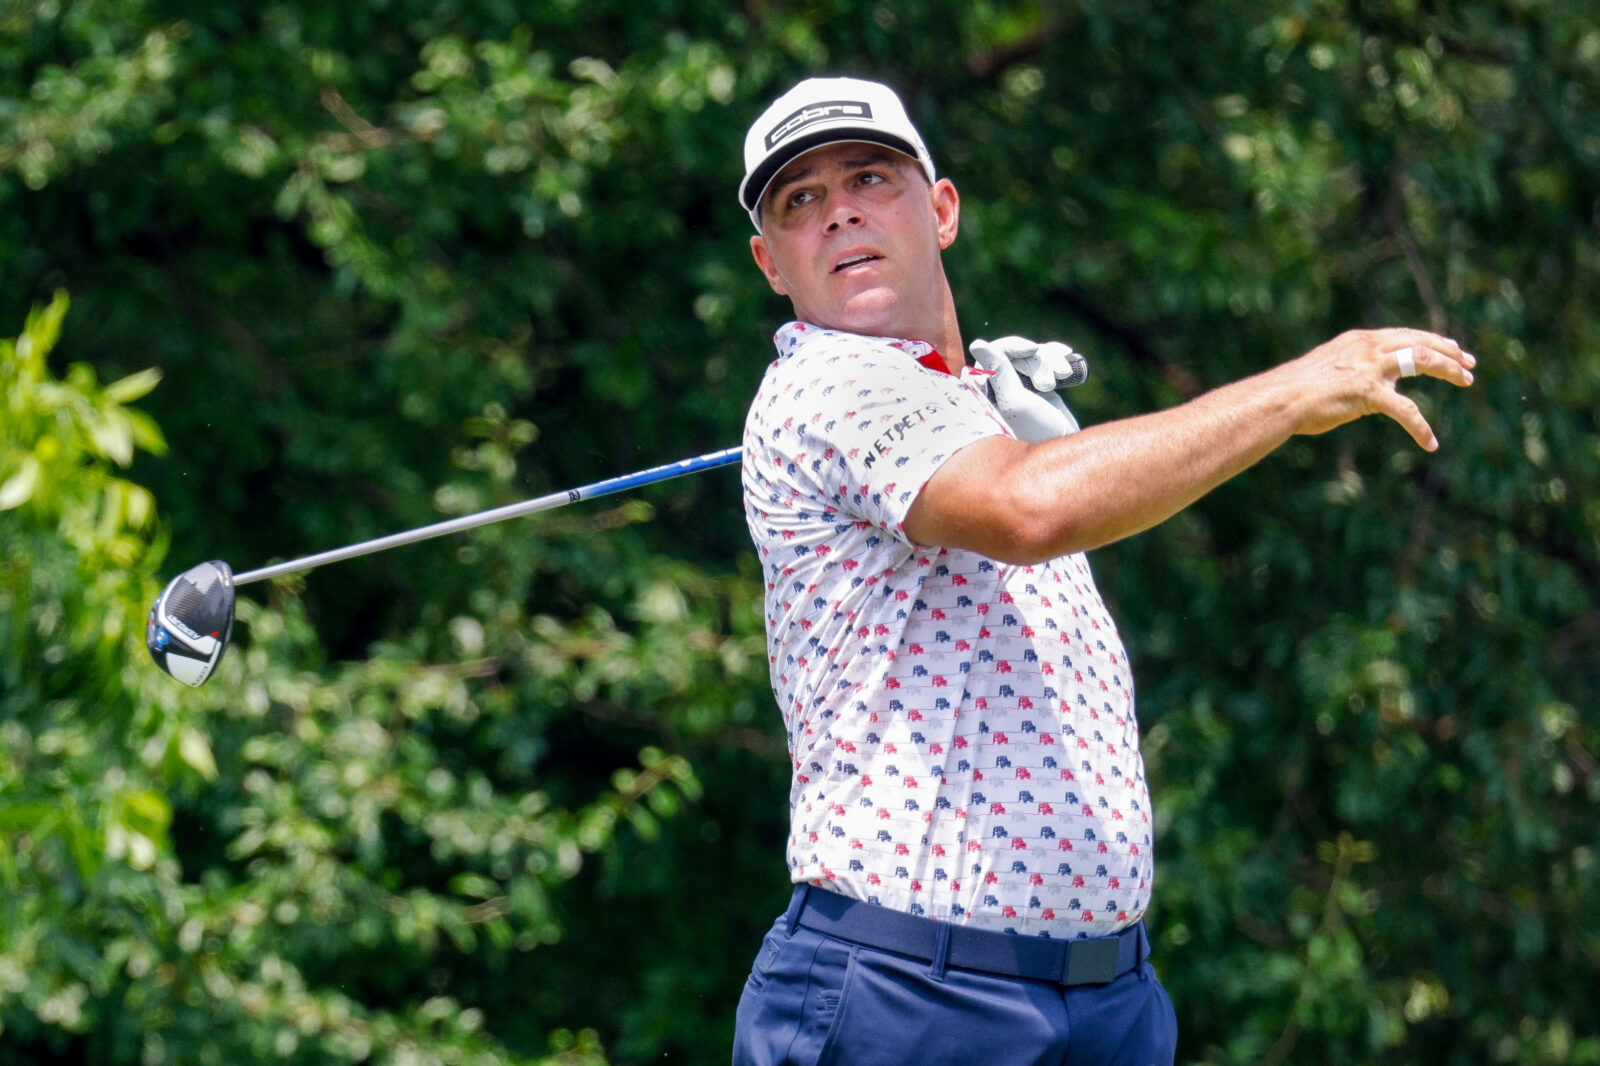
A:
[1024,533]
[987,499]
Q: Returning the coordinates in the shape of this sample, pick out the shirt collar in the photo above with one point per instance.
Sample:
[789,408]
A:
[792,335]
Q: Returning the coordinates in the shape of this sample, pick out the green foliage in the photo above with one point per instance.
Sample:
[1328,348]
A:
[519,795]
[191,880]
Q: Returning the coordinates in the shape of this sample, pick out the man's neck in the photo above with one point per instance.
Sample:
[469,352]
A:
[948,338]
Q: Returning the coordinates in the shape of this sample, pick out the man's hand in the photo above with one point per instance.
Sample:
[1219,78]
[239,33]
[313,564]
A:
[1048,366]
[1356,374]
[1032,409]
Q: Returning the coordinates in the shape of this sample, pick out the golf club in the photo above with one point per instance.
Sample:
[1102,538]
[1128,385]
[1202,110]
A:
[192,620]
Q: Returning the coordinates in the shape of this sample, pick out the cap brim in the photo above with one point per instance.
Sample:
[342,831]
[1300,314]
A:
[756,182]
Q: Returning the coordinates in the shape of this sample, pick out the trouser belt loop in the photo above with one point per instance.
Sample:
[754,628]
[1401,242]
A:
[941,952]
[797,904]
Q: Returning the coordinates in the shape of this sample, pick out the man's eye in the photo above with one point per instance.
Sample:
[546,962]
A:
[870,178]
[800,197]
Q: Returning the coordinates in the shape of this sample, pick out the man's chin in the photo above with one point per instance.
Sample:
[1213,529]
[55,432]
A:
[868,318]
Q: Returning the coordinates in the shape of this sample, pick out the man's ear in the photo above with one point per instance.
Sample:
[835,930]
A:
[946,211]
[763,257]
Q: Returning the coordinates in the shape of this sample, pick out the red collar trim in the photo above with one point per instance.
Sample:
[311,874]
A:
[934,361]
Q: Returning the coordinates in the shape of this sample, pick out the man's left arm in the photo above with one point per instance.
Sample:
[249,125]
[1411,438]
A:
[1023,503]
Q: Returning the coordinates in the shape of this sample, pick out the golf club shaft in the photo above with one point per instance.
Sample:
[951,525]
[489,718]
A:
[498,514]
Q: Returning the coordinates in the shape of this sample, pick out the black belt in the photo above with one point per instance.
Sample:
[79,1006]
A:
[1067,962]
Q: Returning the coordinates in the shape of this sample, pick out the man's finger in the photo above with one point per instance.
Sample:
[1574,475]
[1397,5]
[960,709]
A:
[1447,349]
[1405,360]
[1405,411]
[1452,366]
[1056,366]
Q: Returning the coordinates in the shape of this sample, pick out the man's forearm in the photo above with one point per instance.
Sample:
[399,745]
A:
[1028,502]
[1023,503]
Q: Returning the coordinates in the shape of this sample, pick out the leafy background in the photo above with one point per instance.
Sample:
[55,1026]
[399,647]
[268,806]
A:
[518,796]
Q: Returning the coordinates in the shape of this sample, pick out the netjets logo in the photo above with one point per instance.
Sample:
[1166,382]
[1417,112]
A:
[815,113]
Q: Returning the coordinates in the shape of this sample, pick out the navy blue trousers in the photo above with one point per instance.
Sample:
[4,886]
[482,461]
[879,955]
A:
[812,999]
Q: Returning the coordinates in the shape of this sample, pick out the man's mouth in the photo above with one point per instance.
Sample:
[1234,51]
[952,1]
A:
[855,260]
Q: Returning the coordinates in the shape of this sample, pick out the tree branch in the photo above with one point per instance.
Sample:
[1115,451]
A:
[1132,340]
[988,65]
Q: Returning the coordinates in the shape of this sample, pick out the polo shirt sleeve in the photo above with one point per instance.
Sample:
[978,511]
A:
[882,425]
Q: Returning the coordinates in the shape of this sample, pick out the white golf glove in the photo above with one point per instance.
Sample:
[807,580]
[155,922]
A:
[1031,407]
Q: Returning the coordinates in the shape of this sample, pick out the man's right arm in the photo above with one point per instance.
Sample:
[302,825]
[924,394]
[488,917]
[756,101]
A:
[1024,503]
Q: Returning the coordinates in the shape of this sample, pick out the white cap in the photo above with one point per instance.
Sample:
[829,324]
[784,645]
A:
[822,111]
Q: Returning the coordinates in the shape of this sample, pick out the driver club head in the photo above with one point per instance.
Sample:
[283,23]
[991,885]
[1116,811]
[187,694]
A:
[191,622]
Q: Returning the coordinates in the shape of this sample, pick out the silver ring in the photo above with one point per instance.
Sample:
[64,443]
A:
[1408,363]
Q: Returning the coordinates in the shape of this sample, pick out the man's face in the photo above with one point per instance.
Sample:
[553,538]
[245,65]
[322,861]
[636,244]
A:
[851,233]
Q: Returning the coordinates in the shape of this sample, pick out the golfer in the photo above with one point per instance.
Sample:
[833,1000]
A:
[970,825]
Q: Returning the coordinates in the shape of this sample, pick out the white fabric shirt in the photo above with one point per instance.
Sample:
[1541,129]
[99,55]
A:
[962,731]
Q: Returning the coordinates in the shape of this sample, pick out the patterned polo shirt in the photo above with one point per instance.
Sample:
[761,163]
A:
[962,731]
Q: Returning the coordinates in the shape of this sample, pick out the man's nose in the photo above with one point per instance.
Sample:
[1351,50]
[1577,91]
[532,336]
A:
[844,213]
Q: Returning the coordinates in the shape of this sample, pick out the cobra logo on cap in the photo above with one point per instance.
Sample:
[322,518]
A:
[814,113]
